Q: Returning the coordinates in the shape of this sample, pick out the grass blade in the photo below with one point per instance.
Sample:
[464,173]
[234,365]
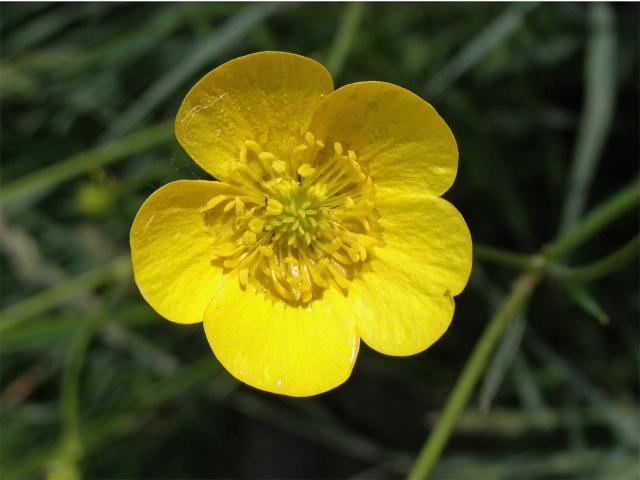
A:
[495,33]
[600,93]
[222,39]
[622,423]
[63,292]
[502,361]
[49,177]
[586,302]
[343,41]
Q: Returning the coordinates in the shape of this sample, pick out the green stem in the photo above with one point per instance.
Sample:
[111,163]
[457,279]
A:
[596,220]
[71,378]
[459,397]
[504,257]
[65,463]
[63,292]
[522,288]
[49,177]
[601,267]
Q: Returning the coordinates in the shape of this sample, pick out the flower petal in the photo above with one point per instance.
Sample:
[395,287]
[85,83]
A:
[296,351]
[171,250]
[266,97]
[407,145]
[405,299]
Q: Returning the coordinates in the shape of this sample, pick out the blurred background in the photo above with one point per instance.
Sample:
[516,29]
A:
[543,100]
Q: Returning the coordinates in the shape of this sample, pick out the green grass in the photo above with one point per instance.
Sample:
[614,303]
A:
[543,100]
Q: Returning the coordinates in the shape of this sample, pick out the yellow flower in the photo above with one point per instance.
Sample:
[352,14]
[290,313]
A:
[325,226]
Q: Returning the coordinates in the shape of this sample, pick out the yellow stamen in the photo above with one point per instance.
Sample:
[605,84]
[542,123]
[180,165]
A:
[302,222]
[306,170]
[279,166]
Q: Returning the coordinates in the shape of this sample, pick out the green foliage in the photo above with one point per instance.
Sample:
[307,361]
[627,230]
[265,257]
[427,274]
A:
[543,100]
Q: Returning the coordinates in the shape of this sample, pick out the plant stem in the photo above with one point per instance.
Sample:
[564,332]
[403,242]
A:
[597,219]
[522,288]
[65,462]
[69,289]
[601,267]
[459,397]
[51,176]
[503,257]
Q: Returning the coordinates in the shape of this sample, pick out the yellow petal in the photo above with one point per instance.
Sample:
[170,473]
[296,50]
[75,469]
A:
[265,97]
[428,237]
[406,144]
[405,299]
[171,251]
[296,351]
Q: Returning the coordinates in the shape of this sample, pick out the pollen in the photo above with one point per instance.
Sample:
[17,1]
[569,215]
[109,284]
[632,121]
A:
[302,221]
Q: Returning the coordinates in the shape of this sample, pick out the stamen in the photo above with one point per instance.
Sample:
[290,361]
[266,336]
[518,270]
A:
[306,170]
[256,224]
[279,166]
[295,227]
[274,207]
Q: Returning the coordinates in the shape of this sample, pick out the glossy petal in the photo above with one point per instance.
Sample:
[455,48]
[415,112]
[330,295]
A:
[407,145]
[405,299]
[296,351]
[171,250]
[267,97]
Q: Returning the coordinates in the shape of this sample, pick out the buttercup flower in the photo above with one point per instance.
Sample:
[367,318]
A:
[325,225]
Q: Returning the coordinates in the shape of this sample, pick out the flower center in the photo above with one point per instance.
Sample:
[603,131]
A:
[297,225]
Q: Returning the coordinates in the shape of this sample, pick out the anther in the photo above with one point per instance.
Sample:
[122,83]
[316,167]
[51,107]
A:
[279,166]
[253,146]
[274,207]
[213,203]
[249,238]
[244,277]
[267,156]
[229,206]
[300,149]
[256,225]
[310,138]
[239,204]
[306,170]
